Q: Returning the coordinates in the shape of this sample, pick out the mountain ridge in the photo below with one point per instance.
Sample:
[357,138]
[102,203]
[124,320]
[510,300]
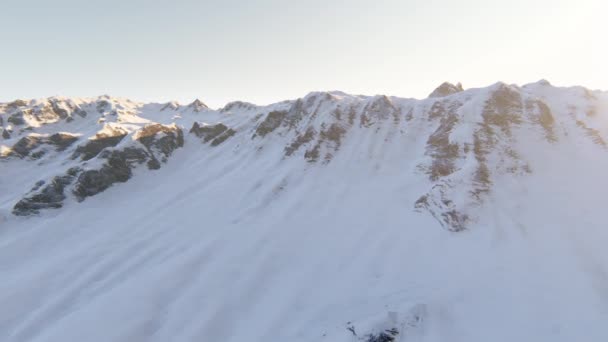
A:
[312,126]
[473,216]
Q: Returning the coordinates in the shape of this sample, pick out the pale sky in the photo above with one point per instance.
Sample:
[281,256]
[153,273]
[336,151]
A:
[263,51]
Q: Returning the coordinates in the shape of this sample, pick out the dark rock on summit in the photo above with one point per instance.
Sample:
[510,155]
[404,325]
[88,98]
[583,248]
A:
[446,89]
[16,104]
[197,106]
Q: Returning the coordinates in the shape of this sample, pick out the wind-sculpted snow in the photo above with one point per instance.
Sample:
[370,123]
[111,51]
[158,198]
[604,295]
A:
[474,214]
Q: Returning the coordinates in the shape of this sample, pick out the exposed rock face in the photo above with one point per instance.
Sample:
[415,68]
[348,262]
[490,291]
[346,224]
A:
[540,113]
[160,142]
[382,108]
[62,140]
[156,142]
[117,169]
[505,111]
[25,146]
[22,113]
[237,105]
[17,104]
[444,154]
[16,119]
[217,133]
[439,147]
[152,144]
[50,197]
[170,106]
[272,121]
[99,142]
[197,106]
[109,136]
[103,105]
[300,140]
[592,133]
[438,203]
[331,136]
[446,89]
[465,143]
[385,336]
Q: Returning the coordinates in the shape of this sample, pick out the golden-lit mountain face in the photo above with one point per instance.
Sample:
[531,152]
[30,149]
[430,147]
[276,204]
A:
[460,141]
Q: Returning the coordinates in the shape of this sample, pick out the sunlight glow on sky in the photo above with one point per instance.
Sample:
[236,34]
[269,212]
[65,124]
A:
[264,51]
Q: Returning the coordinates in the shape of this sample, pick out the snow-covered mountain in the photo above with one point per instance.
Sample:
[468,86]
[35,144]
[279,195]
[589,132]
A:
[471,215]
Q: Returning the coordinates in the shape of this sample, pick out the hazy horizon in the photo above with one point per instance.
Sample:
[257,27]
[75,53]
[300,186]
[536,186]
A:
[267,51]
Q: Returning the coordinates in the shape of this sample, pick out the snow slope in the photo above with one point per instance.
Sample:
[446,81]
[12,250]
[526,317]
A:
[472,215]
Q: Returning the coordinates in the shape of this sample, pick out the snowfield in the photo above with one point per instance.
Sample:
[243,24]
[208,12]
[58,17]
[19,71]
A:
[472,215]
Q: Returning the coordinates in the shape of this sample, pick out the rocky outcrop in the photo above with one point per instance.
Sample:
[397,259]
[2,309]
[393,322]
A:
[16,104]
[593,134]
[109,137]
[62,141]
[28,146]
[438,203]
[197,106]
[16,119]
[20,113]
[25,145]
[332,138]
[160,142]
[217,133]
[504,111]
[446,89]
[467,141]
[170,106]
[272,121]
[540,114]
[154,143]
[301,139]
[151,145]
[380,109]
[117,169]
[439,147]
[42,197]
[237,105]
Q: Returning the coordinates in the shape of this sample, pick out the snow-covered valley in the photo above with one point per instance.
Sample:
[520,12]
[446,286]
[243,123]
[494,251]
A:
[472,215]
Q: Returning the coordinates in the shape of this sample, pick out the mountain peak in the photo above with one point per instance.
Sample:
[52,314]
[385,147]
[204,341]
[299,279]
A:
[446,88]
[198,105]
